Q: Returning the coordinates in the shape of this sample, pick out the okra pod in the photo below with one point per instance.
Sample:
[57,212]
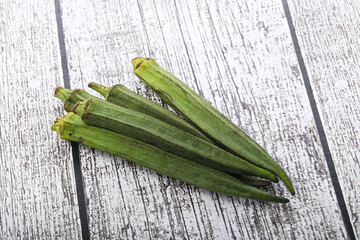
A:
[205,117]
[123,97]
[71,127]
[100,113]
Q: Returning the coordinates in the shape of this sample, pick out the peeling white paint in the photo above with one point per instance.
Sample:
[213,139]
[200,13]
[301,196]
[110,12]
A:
[37,188]
[341,84]
[328,33]
[34,83]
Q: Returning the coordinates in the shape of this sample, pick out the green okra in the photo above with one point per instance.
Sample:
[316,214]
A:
[123,97]
[80,95]
[100,113]
[71,127]
[205,117]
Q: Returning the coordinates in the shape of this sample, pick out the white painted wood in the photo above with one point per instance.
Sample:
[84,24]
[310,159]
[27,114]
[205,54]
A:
[239,56]
[328,33]
[38,196]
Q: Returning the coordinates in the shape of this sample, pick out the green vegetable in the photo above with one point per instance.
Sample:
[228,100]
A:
[78,95]
[72,128]
[205,117]
[100,113]
[123,97]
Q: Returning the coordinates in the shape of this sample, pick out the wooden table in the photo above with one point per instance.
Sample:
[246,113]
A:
[286,72]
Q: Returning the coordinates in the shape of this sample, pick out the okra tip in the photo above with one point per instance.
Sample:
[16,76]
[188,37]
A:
[103,90]
[284,200]
[286,180]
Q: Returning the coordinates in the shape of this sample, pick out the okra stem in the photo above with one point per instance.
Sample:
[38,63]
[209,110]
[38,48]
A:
[77,95]
[71,127]
[62,93]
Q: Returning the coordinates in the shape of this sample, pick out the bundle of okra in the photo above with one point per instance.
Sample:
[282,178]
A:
[203,148]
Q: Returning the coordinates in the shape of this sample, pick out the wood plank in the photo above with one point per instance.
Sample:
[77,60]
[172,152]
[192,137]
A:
[328,33]
[38,196]
[239,56]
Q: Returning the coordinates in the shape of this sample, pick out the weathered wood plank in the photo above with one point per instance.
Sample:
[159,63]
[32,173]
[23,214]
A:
[328,33]
[240,57]
[38,197]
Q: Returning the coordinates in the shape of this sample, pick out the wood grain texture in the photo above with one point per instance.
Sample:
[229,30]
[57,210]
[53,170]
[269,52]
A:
[38,196]
[328,33]
[239,56]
